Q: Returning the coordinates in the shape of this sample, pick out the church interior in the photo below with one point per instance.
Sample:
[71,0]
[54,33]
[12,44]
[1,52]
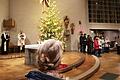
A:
[60,40]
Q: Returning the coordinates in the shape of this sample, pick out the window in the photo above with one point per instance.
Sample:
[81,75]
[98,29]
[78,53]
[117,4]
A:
[104,11]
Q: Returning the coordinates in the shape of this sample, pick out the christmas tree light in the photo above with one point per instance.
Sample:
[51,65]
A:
[50,24]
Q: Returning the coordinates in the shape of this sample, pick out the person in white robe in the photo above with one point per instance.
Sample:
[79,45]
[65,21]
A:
[21,41]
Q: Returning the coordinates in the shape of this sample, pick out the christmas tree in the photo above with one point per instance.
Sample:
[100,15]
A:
[50,24]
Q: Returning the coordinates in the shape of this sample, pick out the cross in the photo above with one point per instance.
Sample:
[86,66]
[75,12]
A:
[45,2]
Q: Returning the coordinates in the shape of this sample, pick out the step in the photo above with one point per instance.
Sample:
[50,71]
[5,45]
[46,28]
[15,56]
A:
[11,56]
[85,70]
[72,59]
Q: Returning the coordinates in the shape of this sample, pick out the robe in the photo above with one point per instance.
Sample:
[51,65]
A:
[21,40]
[5,43]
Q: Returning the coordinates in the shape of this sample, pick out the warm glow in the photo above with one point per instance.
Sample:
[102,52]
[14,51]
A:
[92,31]
[41,1]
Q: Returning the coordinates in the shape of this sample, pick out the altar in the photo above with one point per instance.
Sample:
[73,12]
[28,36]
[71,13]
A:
[30,54]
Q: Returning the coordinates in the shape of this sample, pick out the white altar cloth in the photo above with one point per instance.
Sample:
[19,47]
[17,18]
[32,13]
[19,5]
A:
[32,46]
[30,54]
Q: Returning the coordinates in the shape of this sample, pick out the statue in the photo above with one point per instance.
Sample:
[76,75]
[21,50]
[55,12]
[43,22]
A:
[72,26]
[66,22]
[45,2]
[67,36]
[66,31]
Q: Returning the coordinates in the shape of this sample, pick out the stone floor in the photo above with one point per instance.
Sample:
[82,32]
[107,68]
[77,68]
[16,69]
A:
[14,69]
[11,56]
[110,63]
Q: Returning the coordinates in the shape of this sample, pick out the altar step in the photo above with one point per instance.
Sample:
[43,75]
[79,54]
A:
[11,56]
[84,67]
[72,59]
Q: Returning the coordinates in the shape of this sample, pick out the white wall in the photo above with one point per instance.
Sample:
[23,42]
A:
[111,34]
[27,14]
[76,10]
[4,12]
[110,30]
[108,26]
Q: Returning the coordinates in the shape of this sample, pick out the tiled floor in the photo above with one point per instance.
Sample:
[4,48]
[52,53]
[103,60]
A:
[14,69]
[11,56]
[110,63]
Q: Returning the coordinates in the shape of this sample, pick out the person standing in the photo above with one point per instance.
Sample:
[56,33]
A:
[89,44]
[118,45]
[81,42]
[96,46]
[5,42]
[107,44]
[100,44]
[21,41]
[103,44]
[84,43]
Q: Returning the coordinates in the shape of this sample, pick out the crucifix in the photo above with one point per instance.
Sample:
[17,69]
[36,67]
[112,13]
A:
[45,2]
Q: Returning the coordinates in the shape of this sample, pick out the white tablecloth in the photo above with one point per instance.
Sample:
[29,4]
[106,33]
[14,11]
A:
[32,46]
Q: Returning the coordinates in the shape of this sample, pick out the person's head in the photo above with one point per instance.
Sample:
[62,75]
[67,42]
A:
[50,49]
[66,19]
[96,38]
[88,36]
[85,34]
[81,34]
[102,37]
[6,32]
[79,22]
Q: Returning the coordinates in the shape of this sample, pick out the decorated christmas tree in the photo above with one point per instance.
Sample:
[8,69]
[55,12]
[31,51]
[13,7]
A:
[50,23]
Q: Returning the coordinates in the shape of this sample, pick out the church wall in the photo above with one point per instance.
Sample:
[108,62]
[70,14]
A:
[4,12]
[111,35]
[108,29]
[75,10]
[27,14]
[111,26]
